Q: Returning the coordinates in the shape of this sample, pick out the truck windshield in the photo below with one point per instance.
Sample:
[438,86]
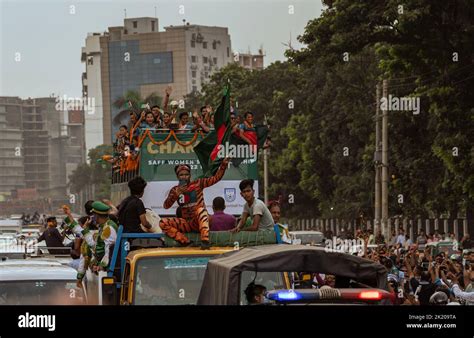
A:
[169,280]
[44,292]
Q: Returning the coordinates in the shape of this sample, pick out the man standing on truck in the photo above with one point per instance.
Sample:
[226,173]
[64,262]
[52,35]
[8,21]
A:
[190,198]
[106,236]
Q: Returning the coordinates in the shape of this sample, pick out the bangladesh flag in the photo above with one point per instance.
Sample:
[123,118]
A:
[208,148]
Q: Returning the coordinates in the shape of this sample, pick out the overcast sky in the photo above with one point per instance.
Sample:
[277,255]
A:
[49,38]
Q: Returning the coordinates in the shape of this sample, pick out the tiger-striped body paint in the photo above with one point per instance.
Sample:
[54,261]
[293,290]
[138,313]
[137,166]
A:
[194,214]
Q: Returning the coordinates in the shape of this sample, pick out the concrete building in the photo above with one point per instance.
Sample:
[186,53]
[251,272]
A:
[138,57]
[92,89]
[35,146]
[39,148]
[252,61]
[12,175]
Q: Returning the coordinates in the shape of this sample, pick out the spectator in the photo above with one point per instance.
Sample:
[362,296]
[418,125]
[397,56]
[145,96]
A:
[421,239]
[457,291]
[425,288]
[147,121]
[157,114]
[275,210]
[247,129]
[466,242]
[255,294]
[122,139]
[254,208]
[371,239]
[131,211]
[430,238]
[393,239]
[184,122]
[379,239]
[133,122]
[401,238]
[166,120]
[221,221]
[199,124]
[53,238]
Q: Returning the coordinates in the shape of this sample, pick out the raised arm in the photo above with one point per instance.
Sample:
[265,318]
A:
[173,196]
[207,182]
[168,91]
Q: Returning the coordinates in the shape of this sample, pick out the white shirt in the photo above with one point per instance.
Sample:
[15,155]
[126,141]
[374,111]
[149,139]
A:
[469,296]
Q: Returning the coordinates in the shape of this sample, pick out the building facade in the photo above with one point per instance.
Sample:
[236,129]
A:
[138,57]
[40,147]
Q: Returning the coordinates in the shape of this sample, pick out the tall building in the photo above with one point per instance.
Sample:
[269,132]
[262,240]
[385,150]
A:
[139,57]
[92,88]
[39,148]
[12,175]
[35,146]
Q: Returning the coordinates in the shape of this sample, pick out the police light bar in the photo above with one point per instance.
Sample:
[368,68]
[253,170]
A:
[290,295]
[370,295]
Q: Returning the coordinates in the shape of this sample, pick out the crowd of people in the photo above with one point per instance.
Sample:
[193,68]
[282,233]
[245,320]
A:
[36,218]
[158,120]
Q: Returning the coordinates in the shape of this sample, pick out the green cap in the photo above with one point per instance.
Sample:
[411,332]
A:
[100,208]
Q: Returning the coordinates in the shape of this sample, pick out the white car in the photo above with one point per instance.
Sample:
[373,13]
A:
[38,282]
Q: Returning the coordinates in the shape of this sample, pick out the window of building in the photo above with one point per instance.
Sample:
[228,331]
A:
[153,26]
[246,61]
[157,60]
[193,73]
[206,74]
[193,43]
[90,60]
[214,44]
[193,58]
[204,59]
[195,89]
[135,24]
[228,54]
[214,60]
[204,45]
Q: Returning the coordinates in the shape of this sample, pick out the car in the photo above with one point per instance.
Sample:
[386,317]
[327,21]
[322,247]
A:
[307,237]
[358,281]
[35,281]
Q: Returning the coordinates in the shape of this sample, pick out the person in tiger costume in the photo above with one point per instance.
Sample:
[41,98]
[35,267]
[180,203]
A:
[194,216]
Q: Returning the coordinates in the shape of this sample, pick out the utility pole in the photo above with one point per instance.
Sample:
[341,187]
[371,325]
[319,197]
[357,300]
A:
[385,161]
[377,160]
[265,169]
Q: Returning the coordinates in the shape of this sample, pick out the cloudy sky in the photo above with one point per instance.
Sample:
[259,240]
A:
[46,38]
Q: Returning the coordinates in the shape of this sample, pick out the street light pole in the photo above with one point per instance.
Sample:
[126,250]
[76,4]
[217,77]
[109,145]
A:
[377,162]
[385,160]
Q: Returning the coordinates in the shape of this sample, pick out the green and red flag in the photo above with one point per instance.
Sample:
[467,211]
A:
[208,149]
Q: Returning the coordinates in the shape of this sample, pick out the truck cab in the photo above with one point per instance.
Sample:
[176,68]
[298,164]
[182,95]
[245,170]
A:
[165,276]
[166,273]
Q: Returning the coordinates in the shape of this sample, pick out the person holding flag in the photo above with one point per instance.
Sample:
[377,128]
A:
[189,194]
